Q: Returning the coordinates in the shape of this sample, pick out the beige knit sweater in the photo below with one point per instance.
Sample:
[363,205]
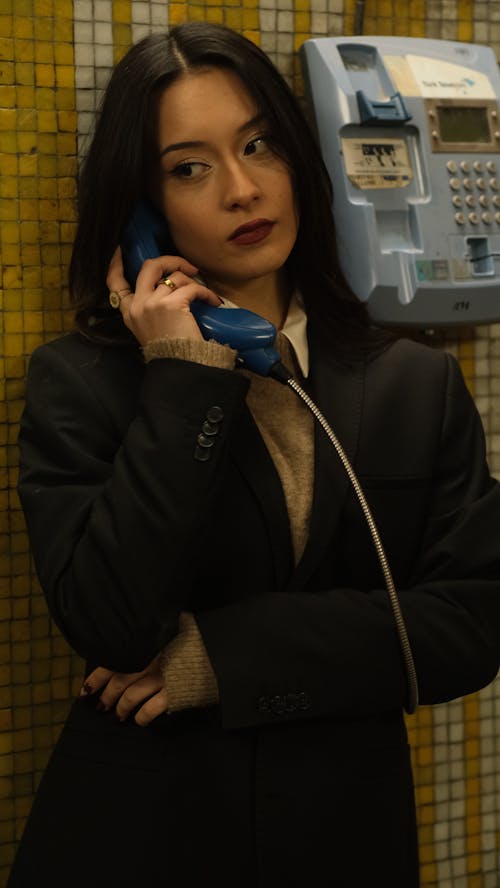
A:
[286,426]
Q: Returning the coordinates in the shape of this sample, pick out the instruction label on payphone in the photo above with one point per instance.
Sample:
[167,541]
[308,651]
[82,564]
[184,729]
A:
[383,163]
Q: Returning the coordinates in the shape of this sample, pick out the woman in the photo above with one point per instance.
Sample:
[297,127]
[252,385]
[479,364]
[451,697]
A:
[197,538]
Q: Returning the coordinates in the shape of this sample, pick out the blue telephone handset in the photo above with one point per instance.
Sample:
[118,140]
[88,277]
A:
[146,236]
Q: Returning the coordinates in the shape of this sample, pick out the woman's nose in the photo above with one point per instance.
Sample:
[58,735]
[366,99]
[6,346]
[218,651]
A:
[240,187]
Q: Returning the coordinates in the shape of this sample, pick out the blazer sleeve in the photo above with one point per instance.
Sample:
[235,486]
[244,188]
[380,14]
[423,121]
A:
[111,519]
[335,651]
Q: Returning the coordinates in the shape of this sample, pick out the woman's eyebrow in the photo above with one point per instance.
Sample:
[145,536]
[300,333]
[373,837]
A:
[257,118]
[178,146]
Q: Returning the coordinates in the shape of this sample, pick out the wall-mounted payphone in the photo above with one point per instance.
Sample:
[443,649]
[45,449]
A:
[410,133]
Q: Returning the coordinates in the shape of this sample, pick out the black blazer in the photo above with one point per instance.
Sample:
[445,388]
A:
[301,775]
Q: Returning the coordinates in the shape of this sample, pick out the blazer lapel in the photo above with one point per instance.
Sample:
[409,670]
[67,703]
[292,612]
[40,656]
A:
[253,460]
[338,392]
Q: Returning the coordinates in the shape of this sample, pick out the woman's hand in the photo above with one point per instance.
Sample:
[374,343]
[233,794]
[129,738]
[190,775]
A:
[158,310]
[127,690]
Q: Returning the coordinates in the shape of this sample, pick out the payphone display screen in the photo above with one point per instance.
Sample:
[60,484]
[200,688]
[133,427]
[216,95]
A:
[463,124]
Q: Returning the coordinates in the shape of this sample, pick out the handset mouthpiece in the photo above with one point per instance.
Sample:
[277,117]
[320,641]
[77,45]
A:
[248,333]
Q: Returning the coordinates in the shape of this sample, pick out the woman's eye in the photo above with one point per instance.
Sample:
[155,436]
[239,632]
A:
[257,145]
[188,170]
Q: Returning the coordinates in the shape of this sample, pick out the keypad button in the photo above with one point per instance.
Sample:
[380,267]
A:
[497,218]
[473,218]
[478,166]
[486,217]
[465,166]
[451,166]
[496,200]
[468,184]
[481,184]
[460,218]
[491,166]
[455,184]
[484,200]
[494,184]
[457,200]
[470,200]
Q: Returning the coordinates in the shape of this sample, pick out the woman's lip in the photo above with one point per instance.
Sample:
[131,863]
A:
[252,233]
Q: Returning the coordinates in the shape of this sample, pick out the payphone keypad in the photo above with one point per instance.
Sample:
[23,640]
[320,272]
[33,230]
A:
[475,198]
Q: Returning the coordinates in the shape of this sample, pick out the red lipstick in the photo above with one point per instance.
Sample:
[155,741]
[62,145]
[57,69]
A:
[252,232]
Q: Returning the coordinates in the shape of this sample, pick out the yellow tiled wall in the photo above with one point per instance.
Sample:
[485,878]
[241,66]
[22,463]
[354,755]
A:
[55,58]
[38,124]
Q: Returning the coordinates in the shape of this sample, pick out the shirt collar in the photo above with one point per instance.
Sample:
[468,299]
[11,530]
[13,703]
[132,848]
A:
[294,329]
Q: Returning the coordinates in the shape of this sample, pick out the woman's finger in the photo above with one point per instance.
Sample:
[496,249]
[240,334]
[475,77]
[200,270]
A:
[138,692]
[152,708]
[95,681]
[153,270]
[180,290]
[117,686]
[116,279]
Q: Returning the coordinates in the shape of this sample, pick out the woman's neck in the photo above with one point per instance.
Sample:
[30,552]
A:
[268,296]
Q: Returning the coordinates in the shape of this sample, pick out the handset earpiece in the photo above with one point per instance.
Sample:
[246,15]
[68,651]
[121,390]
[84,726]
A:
[142,239]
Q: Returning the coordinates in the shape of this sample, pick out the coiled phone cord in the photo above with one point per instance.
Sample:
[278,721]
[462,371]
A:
[280,373]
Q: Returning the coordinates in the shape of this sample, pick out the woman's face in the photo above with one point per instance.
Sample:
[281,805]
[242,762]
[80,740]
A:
[227,197]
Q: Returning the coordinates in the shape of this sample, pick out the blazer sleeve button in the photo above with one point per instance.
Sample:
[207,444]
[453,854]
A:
[208,428]
[291,702]
[215,414]
[303,701]
[263,704]
[277,705]
[203,441]
[202,454]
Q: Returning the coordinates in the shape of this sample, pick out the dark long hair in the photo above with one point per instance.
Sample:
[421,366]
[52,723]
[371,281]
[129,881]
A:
[118,169]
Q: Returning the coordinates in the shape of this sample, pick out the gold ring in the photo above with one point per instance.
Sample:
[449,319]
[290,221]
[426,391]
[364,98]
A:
[115,296]
[168,282]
